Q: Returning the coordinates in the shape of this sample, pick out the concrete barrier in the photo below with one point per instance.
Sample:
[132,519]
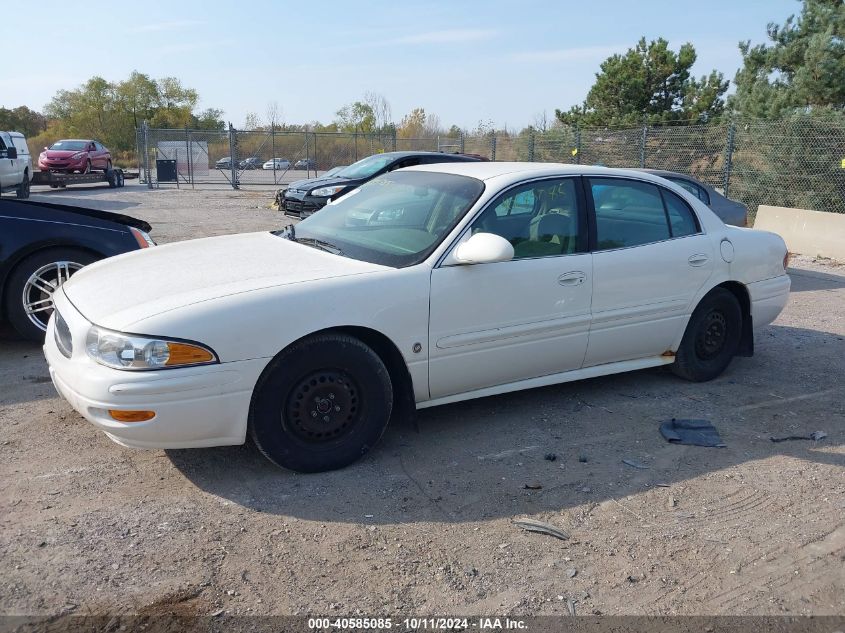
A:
[807,232]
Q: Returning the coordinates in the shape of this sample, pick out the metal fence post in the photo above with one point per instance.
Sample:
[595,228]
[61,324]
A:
[315,154]
[492,146]
[393,134]
[642,145]
[462,142]
[233,155]
[146,129]
[189,157]
[307,157]
[729,151]
[531,147]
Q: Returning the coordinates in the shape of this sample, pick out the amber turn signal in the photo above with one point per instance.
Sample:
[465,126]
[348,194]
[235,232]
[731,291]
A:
[132,416]
[184,354]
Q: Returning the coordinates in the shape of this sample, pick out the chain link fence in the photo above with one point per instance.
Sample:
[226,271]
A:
[797,162]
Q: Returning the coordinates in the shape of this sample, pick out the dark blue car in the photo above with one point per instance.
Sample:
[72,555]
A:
[42,244]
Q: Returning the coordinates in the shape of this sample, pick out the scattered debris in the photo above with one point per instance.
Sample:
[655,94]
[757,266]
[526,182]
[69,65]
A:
[533,525]
[632,578]
[691,433]
[671,502]
[815,436]
[583,458]
[570,603]
[635,464]
[534,485]
[550,457]
[218,613]
[572,572]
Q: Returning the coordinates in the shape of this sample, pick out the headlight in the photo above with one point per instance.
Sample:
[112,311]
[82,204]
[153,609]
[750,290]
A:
[324,192]
[42,155]
[127,351]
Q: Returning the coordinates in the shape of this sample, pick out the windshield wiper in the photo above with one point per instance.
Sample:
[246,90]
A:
[321,244]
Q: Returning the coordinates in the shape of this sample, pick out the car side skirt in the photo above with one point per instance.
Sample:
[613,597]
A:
[553,379]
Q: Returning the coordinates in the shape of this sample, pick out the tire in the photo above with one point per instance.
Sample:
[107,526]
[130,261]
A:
[22,191]
[711,339]
[321,404]
[108,167]
[120,182]
[32,327]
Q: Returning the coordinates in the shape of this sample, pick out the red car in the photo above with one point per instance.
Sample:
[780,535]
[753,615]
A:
[72,155]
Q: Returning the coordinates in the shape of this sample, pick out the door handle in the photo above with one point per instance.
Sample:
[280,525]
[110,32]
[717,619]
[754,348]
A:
[573,278]
[698,260]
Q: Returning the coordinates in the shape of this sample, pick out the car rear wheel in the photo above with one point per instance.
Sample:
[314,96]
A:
[108,167]
[321,404]
[23,189]
[29,295]
[711,339]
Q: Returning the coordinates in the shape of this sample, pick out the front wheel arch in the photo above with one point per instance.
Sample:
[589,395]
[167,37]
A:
[404,400]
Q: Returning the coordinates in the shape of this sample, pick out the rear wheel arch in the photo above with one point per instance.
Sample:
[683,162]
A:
[746,342]
[18,258]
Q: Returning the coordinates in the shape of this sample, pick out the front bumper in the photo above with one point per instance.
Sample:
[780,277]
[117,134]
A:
[61,165]
[194,406]
[302,206]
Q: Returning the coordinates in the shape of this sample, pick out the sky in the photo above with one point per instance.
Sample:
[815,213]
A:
[467,61]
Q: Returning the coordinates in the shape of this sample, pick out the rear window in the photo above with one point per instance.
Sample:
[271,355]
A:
[20,144]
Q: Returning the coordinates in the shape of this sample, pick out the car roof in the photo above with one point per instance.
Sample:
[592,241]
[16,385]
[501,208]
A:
[483,170]
[406,154]
[83,140]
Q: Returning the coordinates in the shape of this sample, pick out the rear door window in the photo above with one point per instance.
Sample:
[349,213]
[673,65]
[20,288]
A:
[628,213]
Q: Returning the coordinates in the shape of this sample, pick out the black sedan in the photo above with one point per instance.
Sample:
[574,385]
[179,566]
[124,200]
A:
[305,197]
[43,244]
[730,211]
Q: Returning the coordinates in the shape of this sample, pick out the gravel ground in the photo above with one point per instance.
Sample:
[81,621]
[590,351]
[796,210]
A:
[423,525]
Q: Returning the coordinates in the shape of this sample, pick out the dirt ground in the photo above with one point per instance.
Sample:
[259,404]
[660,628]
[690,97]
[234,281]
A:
[424,524]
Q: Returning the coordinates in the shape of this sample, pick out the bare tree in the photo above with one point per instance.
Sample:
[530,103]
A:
[381,109]
[252,121]
[275,116]
[541,122]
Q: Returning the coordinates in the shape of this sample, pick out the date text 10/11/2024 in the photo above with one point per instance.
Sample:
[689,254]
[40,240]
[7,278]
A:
[418,624]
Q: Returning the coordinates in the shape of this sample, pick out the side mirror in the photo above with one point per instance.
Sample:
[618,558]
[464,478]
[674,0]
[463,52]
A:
[12,152]
[483,248]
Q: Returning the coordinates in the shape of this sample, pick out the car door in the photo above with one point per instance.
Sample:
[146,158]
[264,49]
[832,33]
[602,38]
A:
[650,259]
[497,323]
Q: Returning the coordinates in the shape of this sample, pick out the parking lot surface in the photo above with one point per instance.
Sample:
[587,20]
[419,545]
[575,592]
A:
[424,524]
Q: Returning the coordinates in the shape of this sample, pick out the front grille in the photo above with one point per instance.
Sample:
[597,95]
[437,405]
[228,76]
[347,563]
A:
[64,341]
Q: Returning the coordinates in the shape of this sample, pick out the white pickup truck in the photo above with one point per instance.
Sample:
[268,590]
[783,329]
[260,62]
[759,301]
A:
[15,164]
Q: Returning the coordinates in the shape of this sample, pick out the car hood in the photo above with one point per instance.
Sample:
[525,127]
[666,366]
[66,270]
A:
[312,183]
[62,153]
[118,292]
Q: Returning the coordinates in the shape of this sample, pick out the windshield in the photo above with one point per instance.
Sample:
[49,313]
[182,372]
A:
[365,167]
[396,220]
[70,146]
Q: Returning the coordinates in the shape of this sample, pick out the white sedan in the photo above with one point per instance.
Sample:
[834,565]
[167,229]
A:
[465,280]
[277,164]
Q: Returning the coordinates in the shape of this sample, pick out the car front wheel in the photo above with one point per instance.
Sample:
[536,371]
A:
[321,404]
[29,296]
[711,339]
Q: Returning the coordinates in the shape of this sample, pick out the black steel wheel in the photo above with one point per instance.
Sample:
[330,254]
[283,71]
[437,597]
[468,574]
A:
[711,339]
[321,404]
